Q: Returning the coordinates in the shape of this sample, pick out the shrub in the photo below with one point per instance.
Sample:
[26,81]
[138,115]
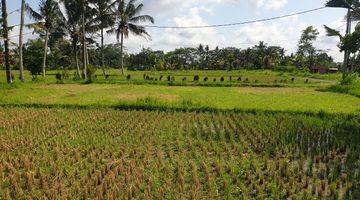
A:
[293,80]
[222,79]
[196,78]
[239,79]
[247,80]
[214,80]
[107,76]
[206,79]
[348,80]
[285,68]
[128,77]
[161,77]
[58,76]
[184,79]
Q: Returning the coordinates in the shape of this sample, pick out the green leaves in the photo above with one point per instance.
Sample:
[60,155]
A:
[338,4]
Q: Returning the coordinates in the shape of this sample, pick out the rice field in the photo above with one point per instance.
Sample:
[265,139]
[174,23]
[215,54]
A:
[52,153]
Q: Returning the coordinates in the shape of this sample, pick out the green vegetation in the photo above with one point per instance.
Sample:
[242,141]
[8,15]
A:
[261,78]
[105,154]
[244,98]
[191,123]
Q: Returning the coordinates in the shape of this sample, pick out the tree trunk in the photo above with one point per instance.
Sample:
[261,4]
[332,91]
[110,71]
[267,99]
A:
[102,52]
[346,69]
[6,41]
[77,61]
[45,53]
[121,53]
[84,43]
[21,62]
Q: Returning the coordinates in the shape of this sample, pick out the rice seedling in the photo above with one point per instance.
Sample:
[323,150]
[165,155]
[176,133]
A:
[58,153]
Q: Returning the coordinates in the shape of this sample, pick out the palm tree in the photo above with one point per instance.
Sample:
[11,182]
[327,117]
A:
[23,8]
[72,17]
[6,41]
[126,22]
[350,5]
[104,19]
[48,19]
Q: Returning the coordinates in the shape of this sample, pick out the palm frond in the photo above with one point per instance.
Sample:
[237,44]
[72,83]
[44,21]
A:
[355,14]
[338,4]
[138,30]
[33,14]
[332,32]
[142,18]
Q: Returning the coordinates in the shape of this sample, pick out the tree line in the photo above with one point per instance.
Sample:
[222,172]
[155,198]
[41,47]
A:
[77,22]
[72,33]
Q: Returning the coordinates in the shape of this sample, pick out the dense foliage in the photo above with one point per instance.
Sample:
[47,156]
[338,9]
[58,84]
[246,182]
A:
[107,154]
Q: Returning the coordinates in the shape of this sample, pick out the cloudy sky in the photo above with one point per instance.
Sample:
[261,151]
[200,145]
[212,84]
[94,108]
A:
[284,32]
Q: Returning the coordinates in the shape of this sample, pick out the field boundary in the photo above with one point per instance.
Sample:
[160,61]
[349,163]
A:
[169,108]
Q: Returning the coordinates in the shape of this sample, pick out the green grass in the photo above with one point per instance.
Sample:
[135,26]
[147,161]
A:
[352,88]
[291,99]
[248,78]
[111,154]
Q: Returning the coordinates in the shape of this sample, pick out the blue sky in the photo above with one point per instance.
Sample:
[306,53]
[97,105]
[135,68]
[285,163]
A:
[283,32]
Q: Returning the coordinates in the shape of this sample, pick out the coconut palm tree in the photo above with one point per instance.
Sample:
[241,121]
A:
[72,19]
[48,18]
[22,20]
[127,17]
[350,5]
[6,40]
[104,19]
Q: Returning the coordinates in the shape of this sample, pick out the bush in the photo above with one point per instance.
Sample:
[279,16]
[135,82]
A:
[196,78]
[222,79]
[239,79]
[161,77]
[58,76]
[348,80]
[206,79]
[285,68]
[184,79]
[128,77]
[214,80]
[292,80]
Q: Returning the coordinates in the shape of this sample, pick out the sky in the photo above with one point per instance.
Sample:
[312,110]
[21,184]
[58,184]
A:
[283,32]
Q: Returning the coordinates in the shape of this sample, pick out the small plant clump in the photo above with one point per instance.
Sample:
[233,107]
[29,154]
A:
[128,77]
[206,79]
[222,79]
[196,78]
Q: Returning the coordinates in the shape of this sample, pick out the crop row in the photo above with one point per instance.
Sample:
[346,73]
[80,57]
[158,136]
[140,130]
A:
[109,154]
